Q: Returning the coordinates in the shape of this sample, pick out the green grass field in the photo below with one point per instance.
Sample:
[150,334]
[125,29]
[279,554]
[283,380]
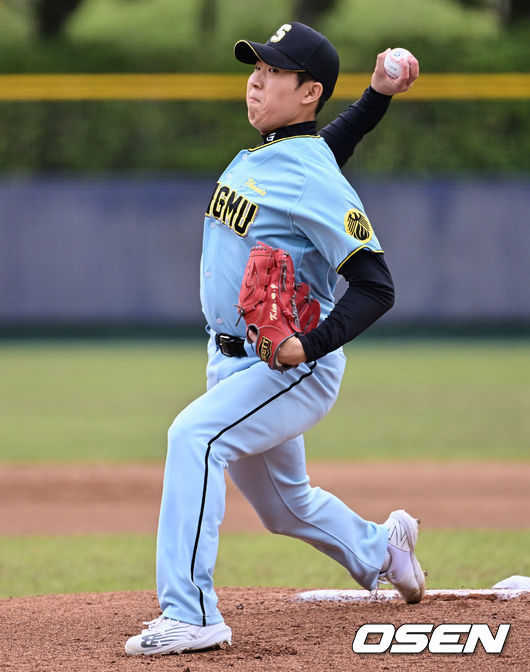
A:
[412,400]
[97,401]
[45,565]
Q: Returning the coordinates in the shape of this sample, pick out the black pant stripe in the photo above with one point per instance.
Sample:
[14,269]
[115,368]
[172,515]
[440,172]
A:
[205,484]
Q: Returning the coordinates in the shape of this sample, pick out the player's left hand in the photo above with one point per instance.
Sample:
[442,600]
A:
[381,81]
[275,307]
[290,353]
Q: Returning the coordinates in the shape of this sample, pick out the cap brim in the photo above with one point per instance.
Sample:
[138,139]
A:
[250,52]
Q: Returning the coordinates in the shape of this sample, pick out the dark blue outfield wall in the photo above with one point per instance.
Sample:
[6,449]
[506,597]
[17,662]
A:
[127,250]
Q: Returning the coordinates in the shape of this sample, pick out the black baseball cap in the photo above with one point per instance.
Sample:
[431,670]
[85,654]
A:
[296,47]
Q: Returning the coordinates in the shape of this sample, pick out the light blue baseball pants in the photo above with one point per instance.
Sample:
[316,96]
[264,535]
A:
[251,421]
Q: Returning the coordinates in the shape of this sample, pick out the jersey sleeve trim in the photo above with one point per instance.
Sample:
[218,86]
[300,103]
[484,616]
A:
[361,247]
[291,137]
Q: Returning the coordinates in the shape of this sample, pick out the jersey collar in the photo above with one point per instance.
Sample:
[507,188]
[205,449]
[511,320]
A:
[304,128]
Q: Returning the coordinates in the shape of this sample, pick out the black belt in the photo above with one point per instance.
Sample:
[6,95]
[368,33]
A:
[231,346]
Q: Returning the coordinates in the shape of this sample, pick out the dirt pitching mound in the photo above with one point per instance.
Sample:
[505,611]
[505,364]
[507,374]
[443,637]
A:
[272,631]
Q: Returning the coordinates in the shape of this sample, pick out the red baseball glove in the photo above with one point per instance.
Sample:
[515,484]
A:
[272,304]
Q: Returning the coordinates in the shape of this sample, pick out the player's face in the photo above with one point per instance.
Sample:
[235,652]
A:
[274,98]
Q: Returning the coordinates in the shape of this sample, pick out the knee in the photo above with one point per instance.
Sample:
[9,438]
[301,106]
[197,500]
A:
[290,513]
[278,522]
[182,434]
[188,440]
[174,433]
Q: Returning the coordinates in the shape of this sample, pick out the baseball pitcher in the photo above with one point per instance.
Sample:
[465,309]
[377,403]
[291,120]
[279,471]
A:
[281,225]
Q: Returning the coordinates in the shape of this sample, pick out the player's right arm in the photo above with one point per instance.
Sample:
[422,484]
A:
[344,133]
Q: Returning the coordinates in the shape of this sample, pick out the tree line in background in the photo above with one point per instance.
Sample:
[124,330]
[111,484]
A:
[165,137]
[51,16]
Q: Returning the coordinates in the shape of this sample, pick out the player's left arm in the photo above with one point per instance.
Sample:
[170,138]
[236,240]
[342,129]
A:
[370,294]
[344,133]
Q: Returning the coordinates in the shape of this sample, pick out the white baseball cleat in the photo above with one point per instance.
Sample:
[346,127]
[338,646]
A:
[403,570]
[164,635]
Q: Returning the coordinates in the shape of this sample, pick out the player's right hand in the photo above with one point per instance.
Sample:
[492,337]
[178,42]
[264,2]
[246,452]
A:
[381,81]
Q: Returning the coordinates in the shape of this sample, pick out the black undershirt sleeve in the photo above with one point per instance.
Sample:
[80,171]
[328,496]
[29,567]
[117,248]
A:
[369,295]
[344,133]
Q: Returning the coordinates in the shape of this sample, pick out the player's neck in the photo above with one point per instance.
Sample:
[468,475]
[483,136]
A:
[302,128]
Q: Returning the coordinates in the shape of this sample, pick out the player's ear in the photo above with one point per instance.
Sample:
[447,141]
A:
[312,92]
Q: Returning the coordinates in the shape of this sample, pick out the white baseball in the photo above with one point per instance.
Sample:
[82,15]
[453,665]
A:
[392,64]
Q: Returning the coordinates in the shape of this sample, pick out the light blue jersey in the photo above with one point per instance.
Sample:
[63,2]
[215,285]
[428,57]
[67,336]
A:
[289,194]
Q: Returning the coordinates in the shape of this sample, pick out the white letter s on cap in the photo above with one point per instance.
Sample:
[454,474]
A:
[280,33]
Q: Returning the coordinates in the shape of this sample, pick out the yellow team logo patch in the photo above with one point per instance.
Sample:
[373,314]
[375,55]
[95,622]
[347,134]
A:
[357,225]
[265,349]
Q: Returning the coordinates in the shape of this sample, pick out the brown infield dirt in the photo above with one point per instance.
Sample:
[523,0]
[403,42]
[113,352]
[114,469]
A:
[272,629]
